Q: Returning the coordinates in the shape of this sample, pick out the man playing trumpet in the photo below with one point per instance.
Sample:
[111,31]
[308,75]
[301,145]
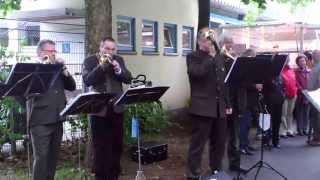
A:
[44,120]
[104,73]
[209,104]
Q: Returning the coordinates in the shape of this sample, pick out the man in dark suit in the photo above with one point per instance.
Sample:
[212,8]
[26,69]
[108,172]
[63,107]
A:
[44,120]
[107,126]
[209,105]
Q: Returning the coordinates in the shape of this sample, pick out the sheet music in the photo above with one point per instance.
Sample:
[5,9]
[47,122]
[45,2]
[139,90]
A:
[313,97]
[71,102]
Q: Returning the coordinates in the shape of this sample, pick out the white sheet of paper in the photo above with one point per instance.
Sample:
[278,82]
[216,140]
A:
[264,121]
[313,97]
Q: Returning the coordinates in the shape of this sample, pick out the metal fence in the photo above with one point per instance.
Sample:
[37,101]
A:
[18,40]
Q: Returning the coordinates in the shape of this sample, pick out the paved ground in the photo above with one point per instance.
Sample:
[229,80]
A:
[294,159]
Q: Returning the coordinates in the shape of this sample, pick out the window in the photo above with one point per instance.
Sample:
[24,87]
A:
[187,40]
[32,35]
[170,38]
[149,36]
[4,37]
[125,34]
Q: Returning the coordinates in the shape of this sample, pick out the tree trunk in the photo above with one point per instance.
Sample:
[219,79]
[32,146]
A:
[98,24]
[204,13]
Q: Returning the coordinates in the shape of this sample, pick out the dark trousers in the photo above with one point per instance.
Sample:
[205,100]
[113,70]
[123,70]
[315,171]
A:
[245,124]
[46,140]
[205,128]
[107,141]
[234,141]
[276,113]
[302,111]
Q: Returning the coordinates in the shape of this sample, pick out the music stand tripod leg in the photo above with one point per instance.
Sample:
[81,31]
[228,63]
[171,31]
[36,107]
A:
[140,175]
[276,171]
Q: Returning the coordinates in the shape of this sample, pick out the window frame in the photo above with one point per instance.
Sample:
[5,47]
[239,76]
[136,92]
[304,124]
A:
[30,39]
[173,38]
[155,48]
[186,51]
[124,48]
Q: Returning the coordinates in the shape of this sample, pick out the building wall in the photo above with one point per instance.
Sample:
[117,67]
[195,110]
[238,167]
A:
[160,69]
[51,4]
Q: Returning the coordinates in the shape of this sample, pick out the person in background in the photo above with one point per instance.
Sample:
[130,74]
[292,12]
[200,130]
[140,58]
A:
[287,127]
[314,84]
[308,54]
[273,97]
[302,104]
[237,94]
[248,111]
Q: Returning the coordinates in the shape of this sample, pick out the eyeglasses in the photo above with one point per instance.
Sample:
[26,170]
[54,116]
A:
[50,51]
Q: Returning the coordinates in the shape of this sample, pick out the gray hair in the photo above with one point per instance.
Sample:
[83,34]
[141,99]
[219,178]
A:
[249,53]
[42,43]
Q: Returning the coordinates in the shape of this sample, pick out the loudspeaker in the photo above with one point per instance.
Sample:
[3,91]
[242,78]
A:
[221,175]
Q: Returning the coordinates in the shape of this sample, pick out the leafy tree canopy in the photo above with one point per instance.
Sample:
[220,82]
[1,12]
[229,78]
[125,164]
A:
[8,5]
[293,3]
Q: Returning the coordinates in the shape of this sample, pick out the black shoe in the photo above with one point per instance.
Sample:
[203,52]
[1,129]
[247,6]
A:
[214,172]
[290,134]
[113,178]
[238,169]
[250,148]
[193,178]
[246,152]
[100,177]
[276,146]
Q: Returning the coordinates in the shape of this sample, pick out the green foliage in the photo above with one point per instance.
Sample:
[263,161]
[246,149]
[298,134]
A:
[67,173]
[152,119]
[8,105]
[293,3]
[81,122]
[9,5]
[252,13]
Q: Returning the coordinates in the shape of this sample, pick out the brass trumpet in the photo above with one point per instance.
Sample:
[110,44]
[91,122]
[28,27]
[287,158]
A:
[47,60]
[105,58]
[209,35]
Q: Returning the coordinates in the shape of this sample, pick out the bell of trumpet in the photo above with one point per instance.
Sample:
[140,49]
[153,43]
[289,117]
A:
[105,58]
[209,35]
[47,60]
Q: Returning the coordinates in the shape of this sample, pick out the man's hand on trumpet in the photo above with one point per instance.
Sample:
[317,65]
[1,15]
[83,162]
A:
[65,70]
[116,67]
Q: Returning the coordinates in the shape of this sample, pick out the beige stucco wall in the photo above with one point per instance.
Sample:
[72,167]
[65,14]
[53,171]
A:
[51,4]
[162,70]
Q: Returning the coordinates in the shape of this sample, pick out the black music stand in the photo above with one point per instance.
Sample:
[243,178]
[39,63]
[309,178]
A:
[3,89]
[253,70]
[28,80]
[87,103]
[141,95]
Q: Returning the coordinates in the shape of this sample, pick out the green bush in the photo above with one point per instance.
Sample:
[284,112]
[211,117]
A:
[152,119]
[9,107]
